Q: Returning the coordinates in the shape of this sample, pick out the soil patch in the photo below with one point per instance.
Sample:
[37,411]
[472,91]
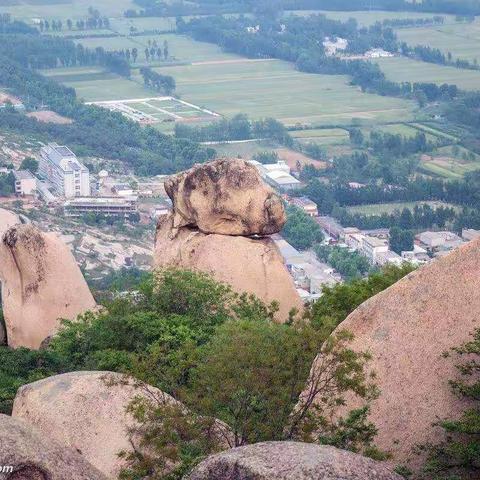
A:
[47,116]
[291,158]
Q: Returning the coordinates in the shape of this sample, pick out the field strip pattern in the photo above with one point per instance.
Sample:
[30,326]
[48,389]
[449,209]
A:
[132,109]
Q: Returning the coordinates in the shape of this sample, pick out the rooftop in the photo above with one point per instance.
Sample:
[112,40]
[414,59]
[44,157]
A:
[375,242]
[304,202]
[282,178]
[97,201]
[23,175]
[63,157]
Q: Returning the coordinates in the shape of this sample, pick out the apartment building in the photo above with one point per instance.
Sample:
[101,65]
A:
[67,175]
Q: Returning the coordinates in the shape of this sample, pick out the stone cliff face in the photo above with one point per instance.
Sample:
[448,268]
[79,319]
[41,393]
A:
[218,207]
[407,328]
[41,283]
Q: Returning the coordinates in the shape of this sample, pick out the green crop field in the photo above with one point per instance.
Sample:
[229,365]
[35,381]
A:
[401,69]
[124,25]
[274,88]
[322,136]
[180,47]
[94,84]
[450,162]
[367,18]
[462,40]
[269,88]
[244,149]
[74,9]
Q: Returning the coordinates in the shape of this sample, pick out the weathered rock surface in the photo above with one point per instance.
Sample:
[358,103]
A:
[41,283]
[84,411]
[407,328]
[34,456]
[290,461]
[7,219]
[226,197]
[248,265]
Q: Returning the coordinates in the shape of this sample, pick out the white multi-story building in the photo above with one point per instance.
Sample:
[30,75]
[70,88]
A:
[60,166]
[25,182]
[372,247]
[108,206]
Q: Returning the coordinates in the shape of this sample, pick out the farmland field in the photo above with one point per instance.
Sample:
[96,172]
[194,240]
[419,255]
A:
[462,40]
[95,84]
[73,9]
[406,130]
[180,47]
[326,137]
[123,25]
[368,18]
[450,162]
[401,69]
[274,88]
[236,84]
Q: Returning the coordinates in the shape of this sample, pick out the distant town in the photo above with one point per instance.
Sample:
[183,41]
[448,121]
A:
[60,182]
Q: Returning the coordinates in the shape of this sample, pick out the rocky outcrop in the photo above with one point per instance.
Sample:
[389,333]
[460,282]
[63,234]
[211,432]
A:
[227,197]
[86,412]
[41,283]
[216,208]
[407,328]
[7,219]
[32,455]
[248,265]
[289,461]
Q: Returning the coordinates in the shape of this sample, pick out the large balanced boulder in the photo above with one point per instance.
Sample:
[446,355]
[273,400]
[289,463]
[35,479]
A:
[85,411]
[407,328]
[290,461]
[248,265]
[226,197]
[28,454]
[41,284]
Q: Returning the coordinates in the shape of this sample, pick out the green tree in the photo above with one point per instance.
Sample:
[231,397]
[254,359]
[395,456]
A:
[29,164]
[356,136]
[7,184]
[401,240]
[300,229]
[458,457]
[250,375]
[338,301]
[349,264]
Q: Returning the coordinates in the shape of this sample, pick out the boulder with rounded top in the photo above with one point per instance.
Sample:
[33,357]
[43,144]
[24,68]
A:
[407,329]
[85,411]
[29,454]
[227,197]
[290,461]
[41,284]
